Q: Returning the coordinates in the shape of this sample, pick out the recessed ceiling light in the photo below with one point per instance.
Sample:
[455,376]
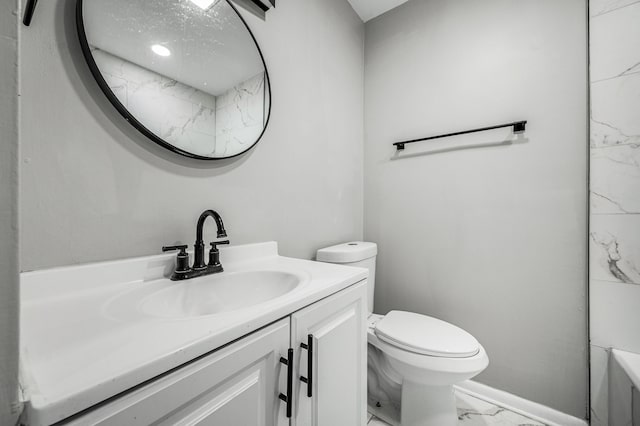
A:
[203,4]
[159,49]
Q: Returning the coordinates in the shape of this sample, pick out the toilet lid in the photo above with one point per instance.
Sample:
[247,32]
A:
[426,335]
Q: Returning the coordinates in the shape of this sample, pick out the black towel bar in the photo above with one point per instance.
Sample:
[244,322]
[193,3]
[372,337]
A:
[518,127]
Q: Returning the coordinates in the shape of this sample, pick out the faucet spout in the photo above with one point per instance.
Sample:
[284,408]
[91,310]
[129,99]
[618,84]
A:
[199,245]
[210,213]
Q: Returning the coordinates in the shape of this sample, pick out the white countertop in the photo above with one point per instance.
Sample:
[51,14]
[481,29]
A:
[83,340]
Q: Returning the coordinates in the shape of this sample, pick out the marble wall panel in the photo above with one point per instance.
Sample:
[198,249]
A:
[618,28]
[615,196]
[600,7]
[615,315]
[615,179]
[615,248]
[188,117]
[614,111]
[240,115]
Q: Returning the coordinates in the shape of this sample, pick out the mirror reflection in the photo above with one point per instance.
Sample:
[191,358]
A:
[187,73]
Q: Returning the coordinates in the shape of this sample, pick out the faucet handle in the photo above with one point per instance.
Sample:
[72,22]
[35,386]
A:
[182,263]
[182,249]
[214,253]
[214,245]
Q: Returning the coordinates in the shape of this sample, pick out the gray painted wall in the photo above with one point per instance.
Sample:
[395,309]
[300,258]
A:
[491,238]
[93,189]
[9,299]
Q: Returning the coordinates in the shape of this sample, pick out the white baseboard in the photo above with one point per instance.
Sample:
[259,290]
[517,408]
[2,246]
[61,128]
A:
[519,405]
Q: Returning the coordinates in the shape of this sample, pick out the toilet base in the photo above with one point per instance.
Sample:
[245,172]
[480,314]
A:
[428,405]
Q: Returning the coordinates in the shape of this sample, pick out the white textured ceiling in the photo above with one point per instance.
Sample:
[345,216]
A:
[369,9]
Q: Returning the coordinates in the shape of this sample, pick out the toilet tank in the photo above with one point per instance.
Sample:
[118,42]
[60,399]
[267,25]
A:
[355,253]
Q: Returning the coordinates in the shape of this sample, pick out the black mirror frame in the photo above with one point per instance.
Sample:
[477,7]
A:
[86,50]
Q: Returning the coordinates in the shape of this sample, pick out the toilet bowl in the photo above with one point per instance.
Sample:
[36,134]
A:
[426,380]
[414,360]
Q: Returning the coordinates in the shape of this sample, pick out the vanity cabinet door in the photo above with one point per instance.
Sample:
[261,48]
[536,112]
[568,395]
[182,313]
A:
[336,327]
[237,385]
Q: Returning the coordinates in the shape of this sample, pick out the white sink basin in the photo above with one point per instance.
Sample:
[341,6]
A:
[214,294]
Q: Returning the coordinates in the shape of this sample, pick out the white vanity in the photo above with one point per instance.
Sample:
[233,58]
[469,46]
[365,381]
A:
[117,343]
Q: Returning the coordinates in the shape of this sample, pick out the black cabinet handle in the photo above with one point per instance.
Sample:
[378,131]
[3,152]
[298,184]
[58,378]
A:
[29,10]
[309,379]
[288,361]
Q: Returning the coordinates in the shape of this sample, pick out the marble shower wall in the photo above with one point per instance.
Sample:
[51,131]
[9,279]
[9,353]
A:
[191,119]
[240,116]
[614,189]
[188,120]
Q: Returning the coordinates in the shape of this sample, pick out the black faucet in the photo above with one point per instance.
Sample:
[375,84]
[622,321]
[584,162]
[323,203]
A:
[183,271]
[198,248]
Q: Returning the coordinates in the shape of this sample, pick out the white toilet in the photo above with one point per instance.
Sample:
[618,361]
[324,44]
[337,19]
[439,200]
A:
[414,359]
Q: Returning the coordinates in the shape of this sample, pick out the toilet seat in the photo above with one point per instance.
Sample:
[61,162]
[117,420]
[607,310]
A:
[425,335]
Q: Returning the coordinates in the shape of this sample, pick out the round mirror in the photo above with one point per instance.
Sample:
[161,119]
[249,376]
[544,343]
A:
[188,74]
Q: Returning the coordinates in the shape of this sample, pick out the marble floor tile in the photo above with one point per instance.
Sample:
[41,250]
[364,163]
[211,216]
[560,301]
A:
[476,412]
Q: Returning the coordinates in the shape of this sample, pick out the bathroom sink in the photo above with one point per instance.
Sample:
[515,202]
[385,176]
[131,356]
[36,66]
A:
[215,294]
[129,319]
